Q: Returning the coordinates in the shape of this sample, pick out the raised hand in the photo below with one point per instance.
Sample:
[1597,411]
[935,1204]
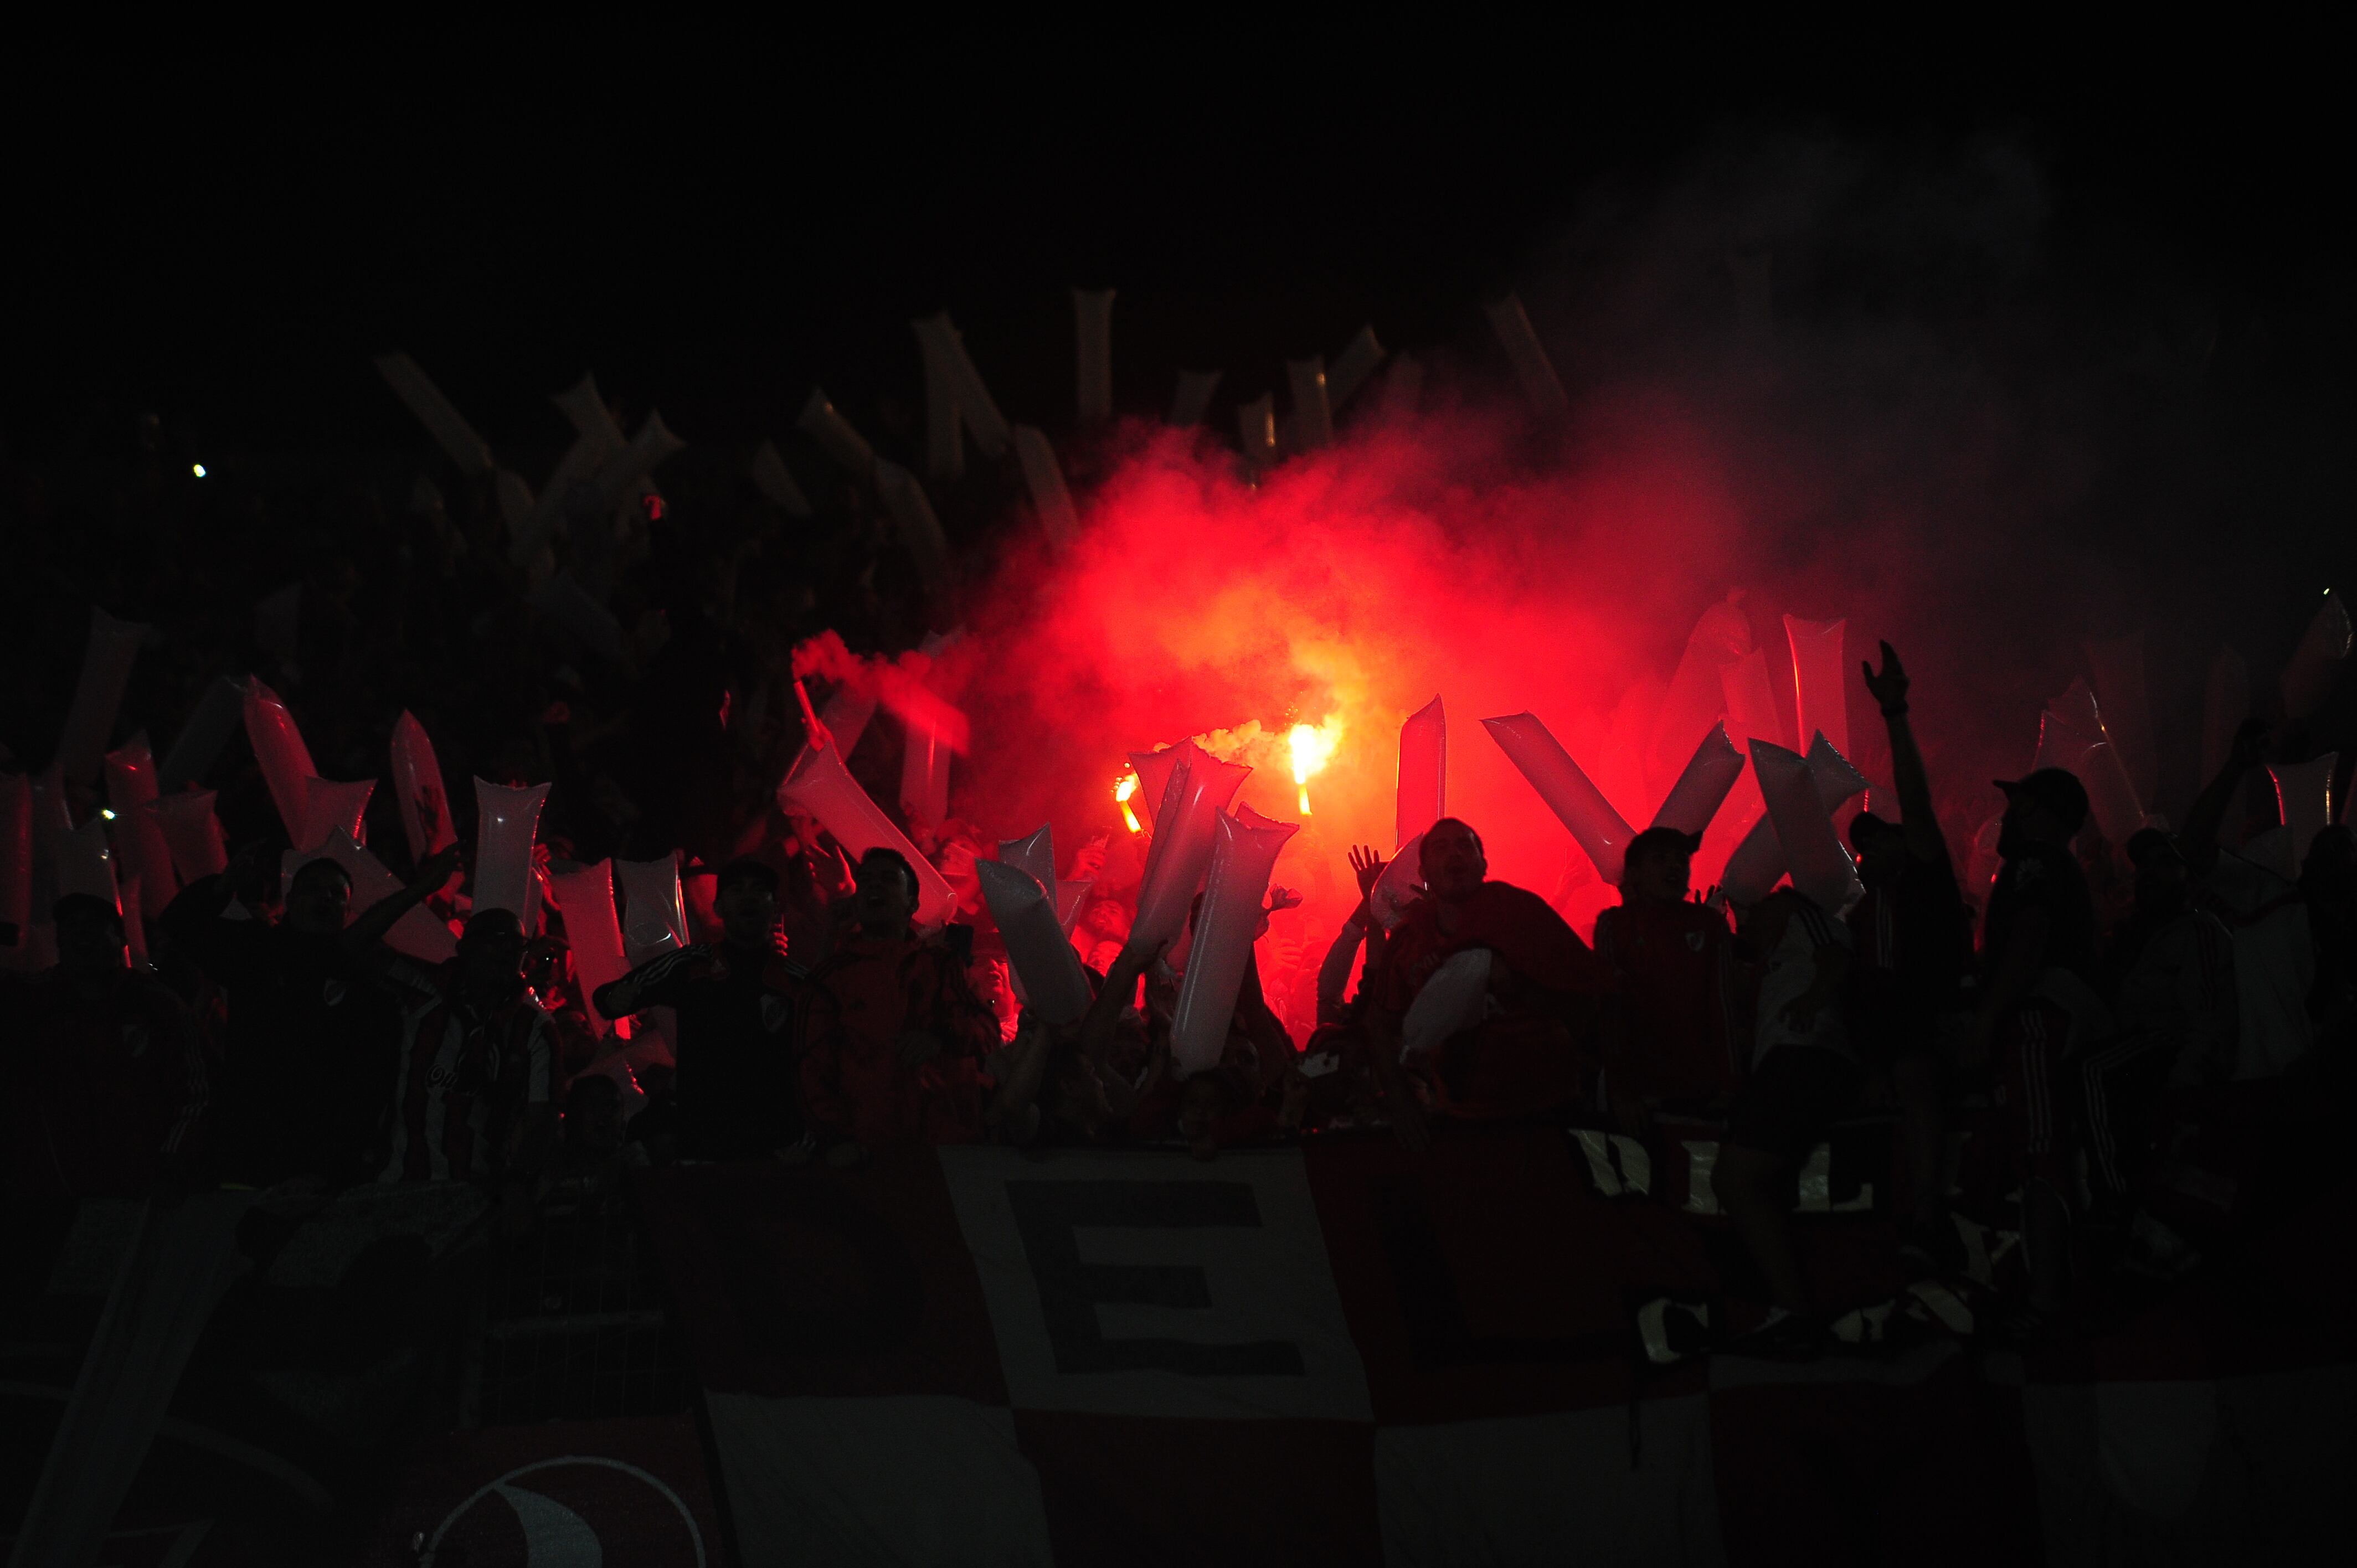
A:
[1889,687]
[1367,866]
[1282,898]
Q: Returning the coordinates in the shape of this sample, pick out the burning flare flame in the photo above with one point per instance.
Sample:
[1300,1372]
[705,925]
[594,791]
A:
[1121,793]
[1312,746]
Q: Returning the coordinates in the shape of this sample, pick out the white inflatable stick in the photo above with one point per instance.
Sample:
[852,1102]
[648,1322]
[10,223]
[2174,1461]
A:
[1313,416]
[925,773]
[192,833]
[506,821]
[106,661]
[979,410]
[776,483]
[278,747]
[1820,673]
[2316,664]
[1054,985]
[1535,372]
[1191,399]
[1704,785]
[1034,855]
[1566,790]
[835,434]
[818,786]
[1244,850]
[913,520]
[1820,867]
[1256,428]
[418,791]
[442,419]
[586,898]
[130,790]
[1422,797]
[217,716]
[654,909]
[83,861]
[1696,697]
[1352,367]
[1045,480]
[331,806]
[1185,832]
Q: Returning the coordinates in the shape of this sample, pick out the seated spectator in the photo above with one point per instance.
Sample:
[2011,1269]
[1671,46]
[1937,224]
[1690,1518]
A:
[1525,1055]
[1914,944]
[473,1101]
[2173,1009]
[893,1056]
[743,1009]
[307,1050]
[1805,1077]
[1667,1039]
[2035,995]
[106,1074]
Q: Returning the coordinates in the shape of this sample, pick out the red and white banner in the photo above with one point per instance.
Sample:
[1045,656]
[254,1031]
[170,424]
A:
[1343,1353]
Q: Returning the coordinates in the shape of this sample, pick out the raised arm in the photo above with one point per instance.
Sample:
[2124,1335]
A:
[372,924]
[1920,822]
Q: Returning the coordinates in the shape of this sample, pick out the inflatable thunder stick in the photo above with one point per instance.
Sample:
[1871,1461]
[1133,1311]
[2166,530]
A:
[925,772]
[278,747]
[1696,696]
[505,823]
[218,713]
[835,435]
[915,522]
[106,662]
[1153,769]
[1352,367]
[586,899]
[1423,798]
[1054,985]
[1192,398]
[1567,791]
[417,789]
[417,934]
[1034,855]
[333,806]
[938,335]
[1400,884]
[818,786]
[1186,830]
[2314,669]
[1043,477]
[1759,862]
[848,709]
[1312,424]
[1704,785]
[442,419]
[1532,369]
[193,834]
[2304,797]
[129,900]
[1244,852]
[654,910]
[1820,679]
[130,790]
[1820,868]
[776,483]
[83,861]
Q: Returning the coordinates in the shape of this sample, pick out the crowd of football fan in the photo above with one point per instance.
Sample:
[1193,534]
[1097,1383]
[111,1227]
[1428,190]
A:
[274,1038]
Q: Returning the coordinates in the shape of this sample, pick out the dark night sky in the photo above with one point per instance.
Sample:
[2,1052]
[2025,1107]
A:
[227,247]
